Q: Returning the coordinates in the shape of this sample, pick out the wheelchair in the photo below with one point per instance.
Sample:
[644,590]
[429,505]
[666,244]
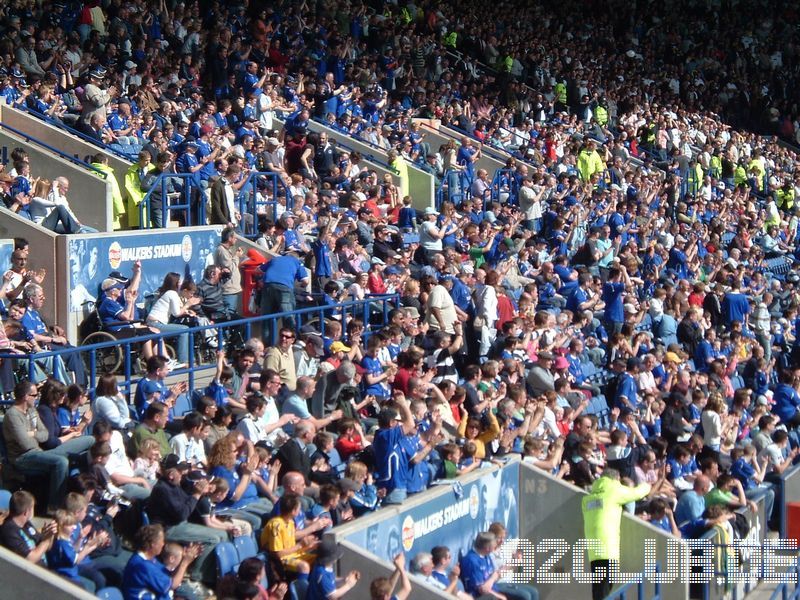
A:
[111,359]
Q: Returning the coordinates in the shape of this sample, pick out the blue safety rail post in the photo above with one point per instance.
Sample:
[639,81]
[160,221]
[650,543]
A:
[504,183]
[378,305]
[49,148]
[636,589]
[450,189]
[168,206]
[788,590]
[72,131]
[249,202]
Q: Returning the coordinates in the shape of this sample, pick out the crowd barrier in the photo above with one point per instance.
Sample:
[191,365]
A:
[264,325]
[26,581]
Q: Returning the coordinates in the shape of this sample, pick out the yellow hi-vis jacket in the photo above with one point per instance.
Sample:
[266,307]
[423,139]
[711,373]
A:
[602,514]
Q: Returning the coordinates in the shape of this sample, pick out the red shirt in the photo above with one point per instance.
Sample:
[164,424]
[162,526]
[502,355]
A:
[347,447]
[402,378]
[505,311]
[375,283]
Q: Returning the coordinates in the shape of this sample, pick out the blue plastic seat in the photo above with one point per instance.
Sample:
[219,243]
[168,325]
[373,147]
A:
[227,558]
[109,593]
[298,589]
[245,547]
[183,405]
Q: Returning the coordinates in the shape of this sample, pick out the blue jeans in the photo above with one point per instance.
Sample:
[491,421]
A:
[517,591]
[232,301]
[55,463]
[183,340]
[396,496]
[276,298]
[769,497]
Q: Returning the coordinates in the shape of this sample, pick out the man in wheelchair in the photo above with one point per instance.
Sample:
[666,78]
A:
[120,320]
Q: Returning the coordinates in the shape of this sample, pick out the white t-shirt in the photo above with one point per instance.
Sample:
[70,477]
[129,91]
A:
[118,463]
[168,305]
[426,238]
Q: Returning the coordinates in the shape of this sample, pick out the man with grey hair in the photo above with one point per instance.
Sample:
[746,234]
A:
[294,455]
[297,404]
[329,387]
[422,565]
[37,331]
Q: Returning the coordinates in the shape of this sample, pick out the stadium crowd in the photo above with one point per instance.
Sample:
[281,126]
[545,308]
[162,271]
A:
[618,298]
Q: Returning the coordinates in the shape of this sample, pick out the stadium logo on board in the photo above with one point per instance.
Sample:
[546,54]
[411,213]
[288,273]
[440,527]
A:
[474,501]
[114,255]
[186,248]
[408,533]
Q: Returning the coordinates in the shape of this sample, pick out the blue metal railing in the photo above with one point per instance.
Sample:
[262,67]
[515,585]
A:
[361,309]
[623,592]
[53,149]
[187,191]
[504,182]
[249,203]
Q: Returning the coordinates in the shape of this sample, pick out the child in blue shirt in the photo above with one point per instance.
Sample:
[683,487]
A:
[407,215]
[62,557]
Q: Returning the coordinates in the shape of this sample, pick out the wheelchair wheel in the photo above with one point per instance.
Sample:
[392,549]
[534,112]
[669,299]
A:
[107,360]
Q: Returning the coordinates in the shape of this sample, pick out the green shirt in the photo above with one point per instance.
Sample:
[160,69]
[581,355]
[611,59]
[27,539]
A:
[718,496]
[142,433]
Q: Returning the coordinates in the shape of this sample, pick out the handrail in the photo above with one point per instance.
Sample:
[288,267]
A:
[166,207]
[356,308]
[251,208]
[621,593]
[71,130]
[29,138]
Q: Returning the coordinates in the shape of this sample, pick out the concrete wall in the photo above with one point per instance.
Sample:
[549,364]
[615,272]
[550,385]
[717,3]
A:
[354,557]
[89,194]
[551,509]
[66,142]
[25,581]
[420,183]
[42,256]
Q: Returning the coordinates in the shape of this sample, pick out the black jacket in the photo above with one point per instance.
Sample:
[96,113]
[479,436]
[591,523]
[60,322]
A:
[169,504]
[294,458]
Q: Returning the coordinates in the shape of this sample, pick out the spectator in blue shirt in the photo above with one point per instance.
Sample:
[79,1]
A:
[786,400]
[613,291]
[145,573]
[692,503]
[735,305]
[391,461]
[628,388]
[322,581]
[117,317]
[280,275]
[481,578]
